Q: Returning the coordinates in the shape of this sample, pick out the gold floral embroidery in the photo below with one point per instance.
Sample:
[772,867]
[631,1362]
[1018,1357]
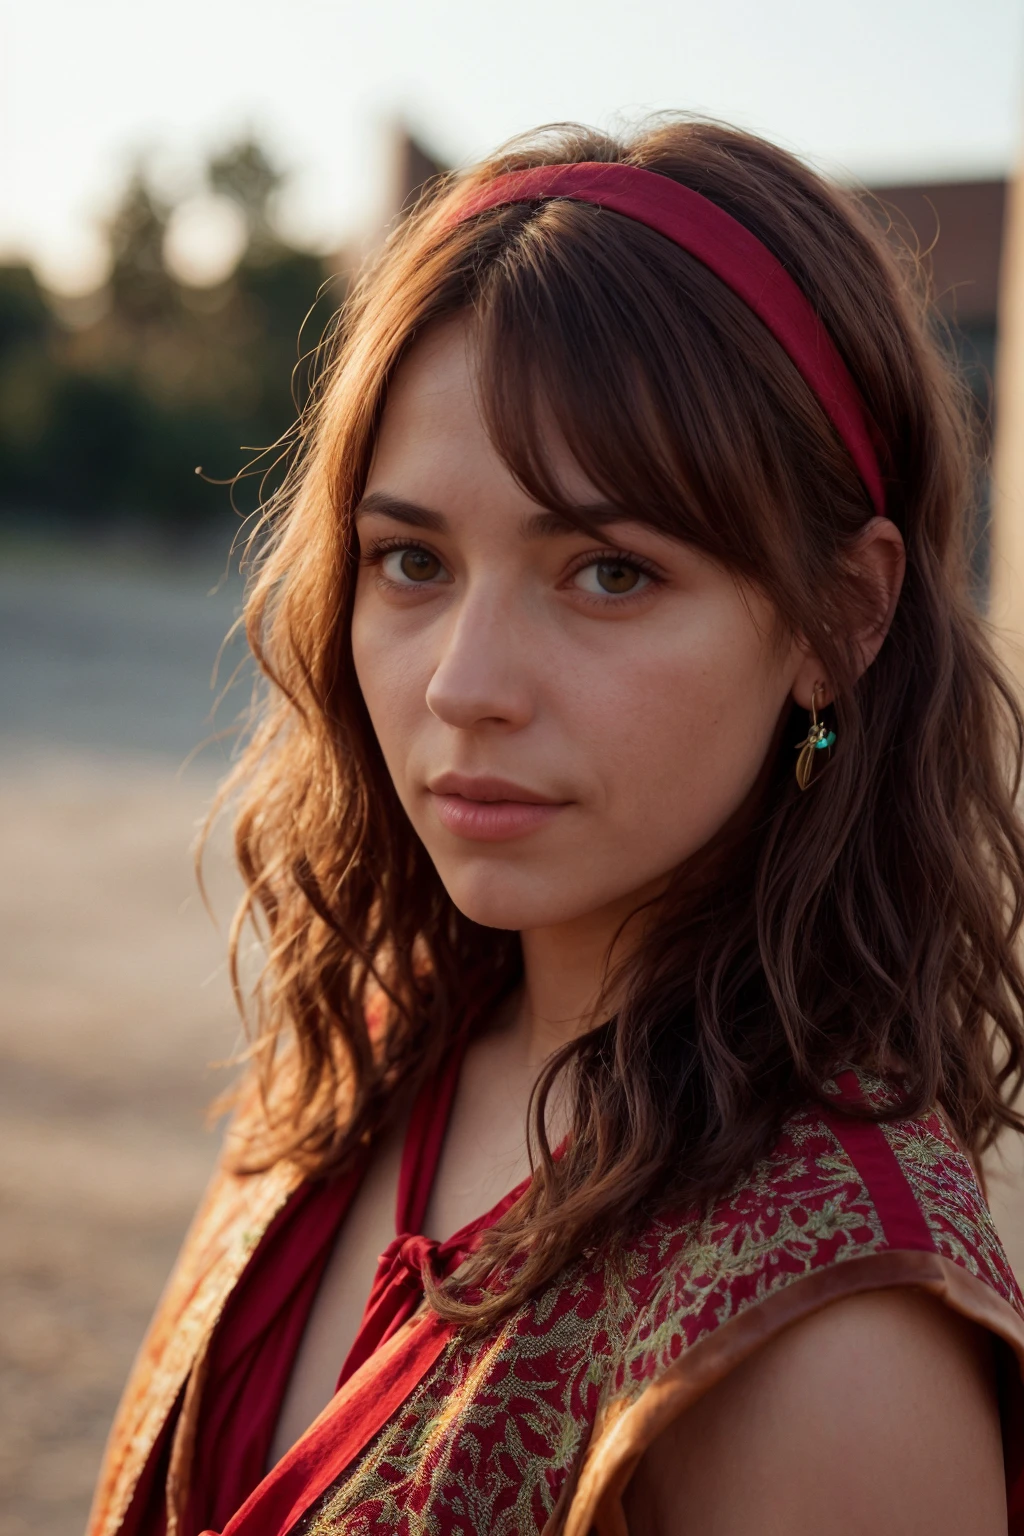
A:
[486,1441]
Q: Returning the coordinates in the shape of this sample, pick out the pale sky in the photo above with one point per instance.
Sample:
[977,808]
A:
[884,89]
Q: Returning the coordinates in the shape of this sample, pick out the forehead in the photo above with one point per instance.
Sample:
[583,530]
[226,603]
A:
[433,394]
[433,437]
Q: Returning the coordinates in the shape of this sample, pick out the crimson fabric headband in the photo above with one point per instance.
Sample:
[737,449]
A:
[727,248]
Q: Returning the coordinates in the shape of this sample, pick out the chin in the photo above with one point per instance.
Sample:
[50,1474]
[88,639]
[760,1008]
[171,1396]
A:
[501,898]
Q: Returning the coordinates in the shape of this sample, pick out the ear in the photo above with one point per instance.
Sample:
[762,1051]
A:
[877,561]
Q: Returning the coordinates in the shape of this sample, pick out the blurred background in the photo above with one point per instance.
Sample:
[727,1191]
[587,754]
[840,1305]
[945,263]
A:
[186,194]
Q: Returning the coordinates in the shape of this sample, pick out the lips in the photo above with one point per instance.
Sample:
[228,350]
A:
[487,788]
[489,809]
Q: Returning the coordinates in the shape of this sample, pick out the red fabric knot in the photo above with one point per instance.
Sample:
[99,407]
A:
[398,1289]
[404,1263]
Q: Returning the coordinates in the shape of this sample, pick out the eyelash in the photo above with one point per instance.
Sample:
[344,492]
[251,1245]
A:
[377,549]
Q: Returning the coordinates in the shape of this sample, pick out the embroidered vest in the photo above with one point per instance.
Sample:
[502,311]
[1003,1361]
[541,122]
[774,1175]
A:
[539,1426]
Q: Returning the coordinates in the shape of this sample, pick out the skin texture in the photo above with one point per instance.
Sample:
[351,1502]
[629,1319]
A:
[645,715]
[511,661]
[876,1415]
[488,645]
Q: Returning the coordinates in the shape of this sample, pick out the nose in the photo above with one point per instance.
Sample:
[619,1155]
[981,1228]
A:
[482,677]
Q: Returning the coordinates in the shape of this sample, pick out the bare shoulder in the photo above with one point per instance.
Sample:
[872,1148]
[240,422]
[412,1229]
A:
[876,1415]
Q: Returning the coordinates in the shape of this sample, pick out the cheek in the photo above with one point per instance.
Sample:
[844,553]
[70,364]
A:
[682,734]
[390,680]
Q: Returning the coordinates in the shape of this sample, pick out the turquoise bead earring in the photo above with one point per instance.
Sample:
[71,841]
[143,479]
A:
[818,739]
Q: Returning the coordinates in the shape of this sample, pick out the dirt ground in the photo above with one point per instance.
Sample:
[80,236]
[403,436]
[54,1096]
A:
[113,997]
[113,1003]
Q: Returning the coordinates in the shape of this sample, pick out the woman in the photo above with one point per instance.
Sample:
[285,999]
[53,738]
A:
[633,769]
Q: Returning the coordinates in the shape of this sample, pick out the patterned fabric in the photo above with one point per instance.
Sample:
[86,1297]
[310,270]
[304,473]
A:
[535,1427]
[489,1440]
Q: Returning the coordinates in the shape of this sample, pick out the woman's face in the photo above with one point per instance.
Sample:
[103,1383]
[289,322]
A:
[565,718]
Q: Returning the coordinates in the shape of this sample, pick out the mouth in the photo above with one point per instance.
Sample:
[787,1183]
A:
[490,810]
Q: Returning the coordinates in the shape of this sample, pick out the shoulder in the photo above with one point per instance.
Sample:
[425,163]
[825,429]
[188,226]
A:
[839,1204]
[883,1405]
[840,1216]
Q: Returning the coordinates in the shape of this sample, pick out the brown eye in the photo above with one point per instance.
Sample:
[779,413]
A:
[412,565]
[615,576]
[611,576]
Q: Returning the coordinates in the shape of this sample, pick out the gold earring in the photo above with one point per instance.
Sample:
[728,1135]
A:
[818,739]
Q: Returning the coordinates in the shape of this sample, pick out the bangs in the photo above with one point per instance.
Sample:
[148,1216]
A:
[672,397]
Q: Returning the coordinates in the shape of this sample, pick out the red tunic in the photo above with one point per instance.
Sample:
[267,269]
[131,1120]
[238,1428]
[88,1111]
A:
[537,1427]
[254,1347]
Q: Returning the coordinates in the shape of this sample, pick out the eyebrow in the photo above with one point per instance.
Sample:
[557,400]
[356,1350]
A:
[537,525]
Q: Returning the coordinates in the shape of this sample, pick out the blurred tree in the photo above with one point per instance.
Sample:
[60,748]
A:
[25,315]
[141,289]
[27,329]
[244,173]
[106,421]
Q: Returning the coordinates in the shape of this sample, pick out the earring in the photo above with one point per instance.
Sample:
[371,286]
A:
[819,739]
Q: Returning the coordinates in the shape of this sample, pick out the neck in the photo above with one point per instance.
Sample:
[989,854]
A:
[565,968]
[566,965]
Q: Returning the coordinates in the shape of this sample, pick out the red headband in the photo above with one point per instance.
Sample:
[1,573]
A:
[728,249]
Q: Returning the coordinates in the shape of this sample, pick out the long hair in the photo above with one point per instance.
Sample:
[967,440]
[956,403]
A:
[872,920]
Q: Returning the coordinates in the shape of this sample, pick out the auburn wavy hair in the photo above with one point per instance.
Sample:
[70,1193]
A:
[873,920]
